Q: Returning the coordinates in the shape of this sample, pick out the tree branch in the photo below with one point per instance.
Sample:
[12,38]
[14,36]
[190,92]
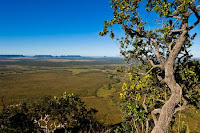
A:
[153,113]
[175,31]
[143,104]
[132,33]
[197,8]
[192,26]
[154,66]
[147,125]
[150,70]
[136,129]
[176,49]
[151,62]
[157,50]
[174,23]
[176,17]
[160,78]
[170,45]
[184,106]
[195,11]
[163,101]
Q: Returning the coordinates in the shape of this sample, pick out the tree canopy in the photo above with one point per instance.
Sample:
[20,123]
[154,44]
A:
[49,114]
[165,81]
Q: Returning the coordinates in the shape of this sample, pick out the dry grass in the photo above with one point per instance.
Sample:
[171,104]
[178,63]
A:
[7,60]
[67,60]
[31,82]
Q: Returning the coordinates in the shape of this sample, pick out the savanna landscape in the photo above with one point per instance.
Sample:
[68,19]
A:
[123,66]
[94,80]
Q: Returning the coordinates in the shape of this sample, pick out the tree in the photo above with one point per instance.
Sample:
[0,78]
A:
[168,85]
[48,114]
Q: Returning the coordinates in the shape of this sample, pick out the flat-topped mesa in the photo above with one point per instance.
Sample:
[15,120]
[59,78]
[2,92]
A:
[12,56]
[70,56]
[43,56]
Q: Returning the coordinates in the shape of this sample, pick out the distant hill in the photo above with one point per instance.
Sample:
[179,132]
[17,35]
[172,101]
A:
[70,56]
[12,56]
[43,56]
[50,56]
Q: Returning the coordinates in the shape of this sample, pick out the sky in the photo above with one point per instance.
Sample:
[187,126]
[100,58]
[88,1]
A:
[58,27]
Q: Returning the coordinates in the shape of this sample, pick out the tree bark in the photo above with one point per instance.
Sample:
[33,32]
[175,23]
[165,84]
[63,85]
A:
[167,111]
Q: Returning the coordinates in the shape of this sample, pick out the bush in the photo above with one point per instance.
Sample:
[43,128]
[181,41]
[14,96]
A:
[66,112]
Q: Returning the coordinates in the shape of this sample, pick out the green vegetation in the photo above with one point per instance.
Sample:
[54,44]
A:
[91,80]
[166,81]
[66,112]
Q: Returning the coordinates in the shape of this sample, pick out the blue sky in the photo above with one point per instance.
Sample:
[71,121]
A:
[58,27]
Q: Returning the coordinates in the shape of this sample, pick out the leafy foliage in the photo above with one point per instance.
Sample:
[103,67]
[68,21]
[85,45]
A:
[48,114]
[166,80]
[17,119]
[142,94]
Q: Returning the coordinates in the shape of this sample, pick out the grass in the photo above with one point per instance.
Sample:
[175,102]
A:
[108,111]
[189,120]
[38,84]
[32,79]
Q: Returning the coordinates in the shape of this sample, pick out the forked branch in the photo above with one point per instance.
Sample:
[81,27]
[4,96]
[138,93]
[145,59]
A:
[195,11]
[153,66]
[153,113]
[184,106]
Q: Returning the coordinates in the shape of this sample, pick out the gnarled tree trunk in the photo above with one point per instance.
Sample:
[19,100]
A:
[168,109]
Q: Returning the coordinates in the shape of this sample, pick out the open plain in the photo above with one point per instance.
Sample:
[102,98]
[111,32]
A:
[93,79]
